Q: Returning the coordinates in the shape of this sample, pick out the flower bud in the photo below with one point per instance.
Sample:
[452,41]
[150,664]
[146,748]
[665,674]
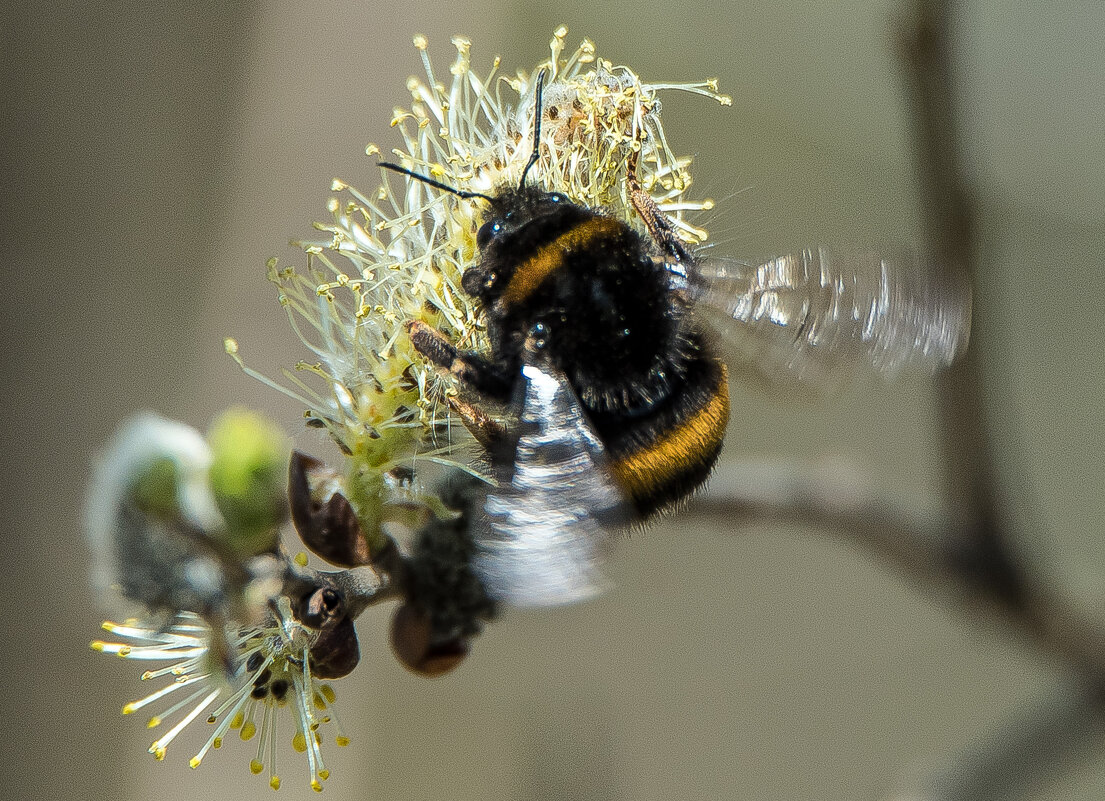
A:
[323,517]
[247,480]
[418,647]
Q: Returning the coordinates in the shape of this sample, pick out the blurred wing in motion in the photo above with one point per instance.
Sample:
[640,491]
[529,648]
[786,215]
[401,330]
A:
[821,319]
[545,528]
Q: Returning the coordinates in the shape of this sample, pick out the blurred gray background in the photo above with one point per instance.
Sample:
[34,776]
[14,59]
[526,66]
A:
[155,154]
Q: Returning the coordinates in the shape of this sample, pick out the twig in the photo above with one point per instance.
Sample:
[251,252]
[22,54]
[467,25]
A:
[936,553]
[969,480]
[1014,759]
[967,558]
[987,561]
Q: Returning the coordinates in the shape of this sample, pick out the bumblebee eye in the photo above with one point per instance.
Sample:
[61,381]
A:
[556,197]
[488,230]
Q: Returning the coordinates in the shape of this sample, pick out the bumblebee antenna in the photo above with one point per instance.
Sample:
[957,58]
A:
[536,127]
[461,193]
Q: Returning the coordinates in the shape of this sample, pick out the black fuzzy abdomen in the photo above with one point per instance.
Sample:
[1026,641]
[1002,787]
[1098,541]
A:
[661,457]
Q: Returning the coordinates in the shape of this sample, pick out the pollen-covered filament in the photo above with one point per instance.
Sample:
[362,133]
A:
[272,672]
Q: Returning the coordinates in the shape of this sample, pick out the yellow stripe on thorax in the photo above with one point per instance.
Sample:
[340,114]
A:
[691,442]
[531,273]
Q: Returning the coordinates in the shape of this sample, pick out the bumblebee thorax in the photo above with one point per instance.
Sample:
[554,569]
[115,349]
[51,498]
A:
[520,220]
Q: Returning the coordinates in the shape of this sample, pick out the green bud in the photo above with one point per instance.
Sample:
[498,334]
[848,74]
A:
[154,490]
[249,479]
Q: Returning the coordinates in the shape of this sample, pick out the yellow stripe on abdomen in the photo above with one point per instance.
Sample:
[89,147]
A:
[682,455]
[532,272]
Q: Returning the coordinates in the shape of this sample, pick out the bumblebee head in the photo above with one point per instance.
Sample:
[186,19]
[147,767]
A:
[519,222]
[512,209]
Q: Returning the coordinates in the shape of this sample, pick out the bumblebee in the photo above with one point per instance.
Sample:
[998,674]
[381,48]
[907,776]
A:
[605,345]
[575,294]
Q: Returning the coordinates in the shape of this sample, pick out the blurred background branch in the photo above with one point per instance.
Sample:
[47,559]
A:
[967,557]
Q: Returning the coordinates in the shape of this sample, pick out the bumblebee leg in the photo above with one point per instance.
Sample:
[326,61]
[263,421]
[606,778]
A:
[470,369]
[490,433]
[432,344]
[653,218]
